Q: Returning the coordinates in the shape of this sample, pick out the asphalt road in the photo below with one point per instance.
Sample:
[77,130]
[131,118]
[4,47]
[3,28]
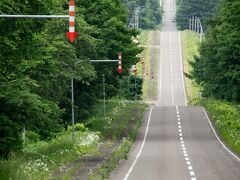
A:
[176,142]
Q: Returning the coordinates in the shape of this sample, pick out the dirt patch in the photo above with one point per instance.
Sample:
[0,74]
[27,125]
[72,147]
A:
[131,123]
[81,168]
[91,163]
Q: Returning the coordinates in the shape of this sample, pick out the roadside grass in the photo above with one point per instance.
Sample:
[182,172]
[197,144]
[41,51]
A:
[190,45]
[123,128]
[154,66]
[41,160]
[110,164]
[150,67]
[143,37]
[225,115]
[146,58]
[121,116]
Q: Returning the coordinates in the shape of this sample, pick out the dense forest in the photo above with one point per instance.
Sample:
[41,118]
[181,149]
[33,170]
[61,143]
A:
[217,69]
[37,63]
[150,12]
[200,8]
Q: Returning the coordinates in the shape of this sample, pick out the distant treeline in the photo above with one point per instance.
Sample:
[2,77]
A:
[150,12]
[203,9]
[37,63]
[217,69]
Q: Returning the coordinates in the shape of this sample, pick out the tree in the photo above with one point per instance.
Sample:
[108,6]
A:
[37,63]
[150,12]
[35,69]
[188,8]
[218,67]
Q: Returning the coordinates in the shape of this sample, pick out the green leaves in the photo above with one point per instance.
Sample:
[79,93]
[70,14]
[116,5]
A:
[37,61]
[10,138]
[150,12]
[201,8]
[226,118]
[217,69]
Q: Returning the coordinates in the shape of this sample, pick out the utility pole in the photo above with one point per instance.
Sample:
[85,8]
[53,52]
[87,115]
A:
[129,83]
[135,87]
[104,96]
[201,32]
[135,74]
[24,134]
[72,98]
[190,24]
[196,26]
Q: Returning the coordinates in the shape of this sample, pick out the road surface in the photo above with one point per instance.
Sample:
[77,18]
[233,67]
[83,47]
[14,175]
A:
[176,142]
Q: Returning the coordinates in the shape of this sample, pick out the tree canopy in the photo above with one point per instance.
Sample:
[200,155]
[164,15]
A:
[37,63]
[188,8]
[150,12]
[218,67]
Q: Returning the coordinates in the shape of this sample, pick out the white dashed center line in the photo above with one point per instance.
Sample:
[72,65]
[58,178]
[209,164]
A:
[184,150]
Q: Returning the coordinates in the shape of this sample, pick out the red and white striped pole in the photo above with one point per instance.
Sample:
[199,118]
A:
[120,63]
[72,34]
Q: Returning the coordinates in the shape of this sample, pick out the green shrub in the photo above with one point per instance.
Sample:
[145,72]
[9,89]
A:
[32,137]
[226,117]
[10,139]
[80,127]
[109,165]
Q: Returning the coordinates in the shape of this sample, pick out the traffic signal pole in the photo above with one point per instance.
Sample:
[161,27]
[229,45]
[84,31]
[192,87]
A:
[104,93]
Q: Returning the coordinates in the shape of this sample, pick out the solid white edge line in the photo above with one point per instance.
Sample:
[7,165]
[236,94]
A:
[141,148]
[224,146]
[181,58]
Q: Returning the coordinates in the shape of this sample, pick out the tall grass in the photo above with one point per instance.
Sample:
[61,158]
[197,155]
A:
[124,127]
[39,160]
[121,116]
[226,117]
[42,159]
[190,45]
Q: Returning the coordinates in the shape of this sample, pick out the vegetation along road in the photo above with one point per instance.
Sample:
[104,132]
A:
[137,89]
